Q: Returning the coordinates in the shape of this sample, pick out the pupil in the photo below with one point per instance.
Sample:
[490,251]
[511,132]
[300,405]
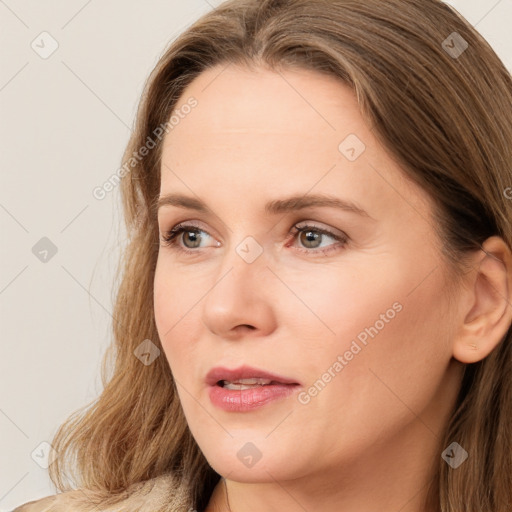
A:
[195,238]
[311,236]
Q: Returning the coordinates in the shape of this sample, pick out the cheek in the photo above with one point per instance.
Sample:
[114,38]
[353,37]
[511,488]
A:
[178,300]
[388,358]
[388,324]
[340,305]
[176,293]
[173,303]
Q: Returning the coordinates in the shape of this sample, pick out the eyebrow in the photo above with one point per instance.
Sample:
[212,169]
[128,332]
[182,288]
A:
[274,207]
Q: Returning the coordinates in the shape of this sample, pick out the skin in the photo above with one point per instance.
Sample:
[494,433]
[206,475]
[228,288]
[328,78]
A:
[371,438]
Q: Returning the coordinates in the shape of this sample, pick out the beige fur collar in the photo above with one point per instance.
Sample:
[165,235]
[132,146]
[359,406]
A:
[161,494]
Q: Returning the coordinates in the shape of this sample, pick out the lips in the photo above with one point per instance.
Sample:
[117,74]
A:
[246,389]
[221,376]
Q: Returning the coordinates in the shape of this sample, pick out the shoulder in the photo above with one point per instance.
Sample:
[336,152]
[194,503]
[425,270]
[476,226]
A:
[160,494]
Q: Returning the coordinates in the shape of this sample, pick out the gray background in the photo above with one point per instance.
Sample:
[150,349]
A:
[64,122]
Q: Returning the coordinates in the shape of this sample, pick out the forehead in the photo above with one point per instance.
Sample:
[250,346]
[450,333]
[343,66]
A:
[233,101]
[269,132]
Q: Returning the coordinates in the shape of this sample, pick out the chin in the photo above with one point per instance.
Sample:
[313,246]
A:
[259,473]
[242,461]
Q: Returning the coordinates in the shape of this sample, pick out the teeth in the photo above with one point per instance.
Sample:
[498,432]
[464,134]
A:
[246,383]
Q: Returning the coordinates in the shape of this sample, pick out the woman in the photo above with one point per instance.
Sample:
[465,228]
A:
[315,311]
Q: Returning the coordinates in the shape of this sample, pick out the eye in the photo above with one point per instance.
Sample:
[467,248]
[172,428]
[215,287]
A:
[191,237]
[311,238]
[187,238]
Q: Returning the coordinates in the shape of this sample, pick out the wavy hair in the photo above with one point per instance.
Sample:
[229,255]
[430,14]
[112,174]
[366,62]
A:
[443,110]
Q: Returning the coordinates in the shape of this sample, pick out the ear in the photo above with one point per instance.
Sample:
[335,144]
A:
[489,314]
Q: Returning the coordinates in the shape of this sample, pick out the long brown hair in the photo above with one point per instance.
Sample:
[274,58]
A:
[439,99]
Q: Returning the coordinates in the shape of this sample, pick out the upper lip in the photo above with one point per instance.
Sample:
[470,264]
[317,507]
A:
[220,373]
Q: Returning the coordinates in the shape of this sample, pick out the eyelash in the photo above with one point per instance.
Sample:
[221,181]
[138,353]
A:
[169,239]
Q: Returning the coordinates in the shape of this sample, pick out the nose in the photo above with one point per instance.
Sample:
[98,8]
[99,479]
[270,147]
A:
[242,297]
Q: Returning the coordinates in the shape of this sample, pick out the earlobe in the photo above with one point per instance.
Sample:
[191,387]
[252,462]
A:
[489,317]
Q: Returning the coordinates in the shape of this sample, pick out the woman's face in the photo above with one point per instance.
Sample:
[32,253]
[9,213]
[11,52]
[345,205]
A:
[351,308]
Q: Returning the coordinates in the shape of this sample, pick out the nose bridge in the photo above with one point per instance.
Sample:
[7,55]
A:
[239,294]
[244,266]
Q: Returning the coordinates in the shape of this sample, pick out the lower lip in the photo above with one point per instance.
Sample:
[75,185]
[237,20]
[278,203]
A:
[243,400]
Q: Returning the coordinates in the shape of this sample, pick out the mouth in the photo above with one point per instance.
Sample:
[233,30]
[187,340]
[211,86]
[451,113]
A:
[246,377]
[246,389]
[249,383]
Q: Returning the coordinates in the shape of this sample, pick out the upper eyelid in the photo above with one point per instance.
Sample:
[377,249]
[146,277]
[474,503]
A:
[184,224]
[296,225]
[327,230]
